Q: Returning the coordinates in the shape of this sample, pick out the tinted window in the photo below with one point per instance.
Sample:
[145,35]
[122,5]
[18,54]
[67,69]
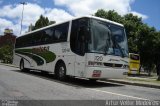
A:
[78,36]
[50,35]
[24,41]
[134,57]
[73,38]
[56,34]
[37,38]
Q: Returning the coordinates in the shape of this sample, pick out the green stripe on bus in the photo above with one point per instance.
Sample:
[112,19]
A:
[47,55]
[37,59]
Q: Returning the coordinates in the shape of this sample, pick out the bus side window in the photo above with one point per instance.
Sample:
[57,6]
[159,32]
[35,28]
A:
[57,34]
[61,32]
[48,35]
[37,38]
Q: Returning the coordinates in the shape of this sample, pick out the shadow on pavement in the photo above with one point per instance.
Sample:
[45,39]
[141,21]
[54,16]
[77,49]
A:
[142,75]
[72,81]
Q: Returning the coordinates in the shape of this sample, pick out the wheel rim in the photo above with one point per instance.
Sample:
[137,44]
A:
[61,72]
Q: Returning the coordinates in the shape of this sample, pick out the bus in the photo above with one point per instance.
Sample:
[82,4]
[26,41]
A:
[85,47]
[134,63]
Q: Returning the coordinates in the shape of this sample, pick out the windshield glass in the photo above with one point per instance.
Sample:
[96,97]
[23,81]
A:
[107,38]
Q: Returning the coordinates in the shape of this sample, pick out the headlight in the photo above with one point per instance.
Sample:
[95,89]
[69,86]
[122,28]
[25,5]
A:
[126,67]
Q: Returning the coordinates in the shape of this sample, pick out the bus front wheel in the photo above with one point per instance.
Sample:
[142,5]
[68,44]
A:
[92,80]
[61,71]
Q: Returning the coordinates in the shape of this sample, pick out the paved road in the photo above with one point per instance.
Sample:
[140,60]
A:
[36,86]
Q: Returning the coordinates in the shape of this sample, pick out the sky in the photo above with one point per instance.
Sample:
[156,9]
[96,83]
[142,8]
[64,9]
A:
[61,10]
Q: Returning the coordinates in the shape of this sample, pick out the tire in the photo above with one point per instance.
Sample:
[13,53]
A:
[44,72]
[92,80]
[61,71]
[21,66]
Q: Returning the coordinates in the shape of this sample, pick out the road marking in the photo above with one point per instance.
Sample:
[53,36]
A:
[117,94]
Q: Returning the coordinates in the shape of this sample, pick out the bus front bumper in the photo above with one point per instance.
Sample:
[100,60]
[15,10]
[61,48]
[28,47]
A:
[105,73]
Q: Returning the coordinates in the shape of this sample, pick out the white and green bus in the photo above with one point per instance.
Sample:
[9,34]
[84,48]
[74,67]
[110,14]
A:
[86,47]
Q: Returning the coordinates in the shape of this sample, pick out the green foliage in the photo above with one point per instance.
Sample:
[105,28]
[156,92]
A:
[52,22]
[42,22]
[1,54]
[6,53]
[132,24]
[111,15]
[142,39]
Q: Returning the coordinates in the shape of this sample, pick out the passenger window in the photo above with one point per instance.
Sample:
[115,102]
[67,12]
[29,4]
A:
[58,34]
[49,35]
[61,32]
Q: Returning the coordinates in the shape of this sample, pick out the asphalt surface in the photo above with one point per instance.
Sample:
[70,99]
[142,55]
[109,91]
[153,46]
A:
[34,85]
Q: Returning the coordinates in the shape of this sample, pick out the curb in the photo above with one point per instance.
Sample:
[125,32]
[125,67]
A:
[11,65]
[134,83]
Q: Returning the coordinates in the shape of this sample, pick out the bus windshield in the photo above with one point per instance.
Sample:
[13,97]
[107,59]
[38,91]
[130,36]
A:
[107,38]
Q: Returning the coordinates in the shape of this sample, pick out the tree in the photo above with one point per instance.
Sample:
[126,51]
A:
[42,22]
[110,15]
[132,24]
[52,22]
[1,54]
[6,53]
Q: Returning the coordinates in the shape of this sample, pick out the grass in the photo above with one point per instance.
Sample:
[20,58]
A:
[144,80]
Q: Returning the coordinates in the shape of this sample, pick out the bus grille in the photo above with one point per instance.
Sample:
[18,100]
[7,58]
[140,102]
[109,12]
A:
[113,65]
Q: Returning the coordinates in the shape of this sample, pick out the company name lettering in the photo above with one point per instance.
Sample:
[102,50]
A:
[40,49]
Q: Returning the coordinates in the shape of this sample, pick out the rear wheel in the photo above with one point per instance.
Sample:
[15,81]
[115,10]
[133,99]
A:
[22,66]
[61,71]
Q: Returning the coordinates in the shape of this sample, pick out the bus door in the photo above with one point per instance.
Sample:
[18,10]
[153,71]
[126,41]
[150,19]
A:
[78,44]
[80,66]
[81,57]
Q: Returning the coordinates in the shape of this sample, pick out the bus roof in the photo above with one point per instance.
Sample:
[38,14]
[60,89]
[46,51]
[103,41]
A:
[87,16]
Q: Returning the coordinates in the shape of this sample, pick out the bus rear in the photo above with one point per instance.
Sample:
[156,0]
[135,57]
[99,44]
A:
[134,63]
